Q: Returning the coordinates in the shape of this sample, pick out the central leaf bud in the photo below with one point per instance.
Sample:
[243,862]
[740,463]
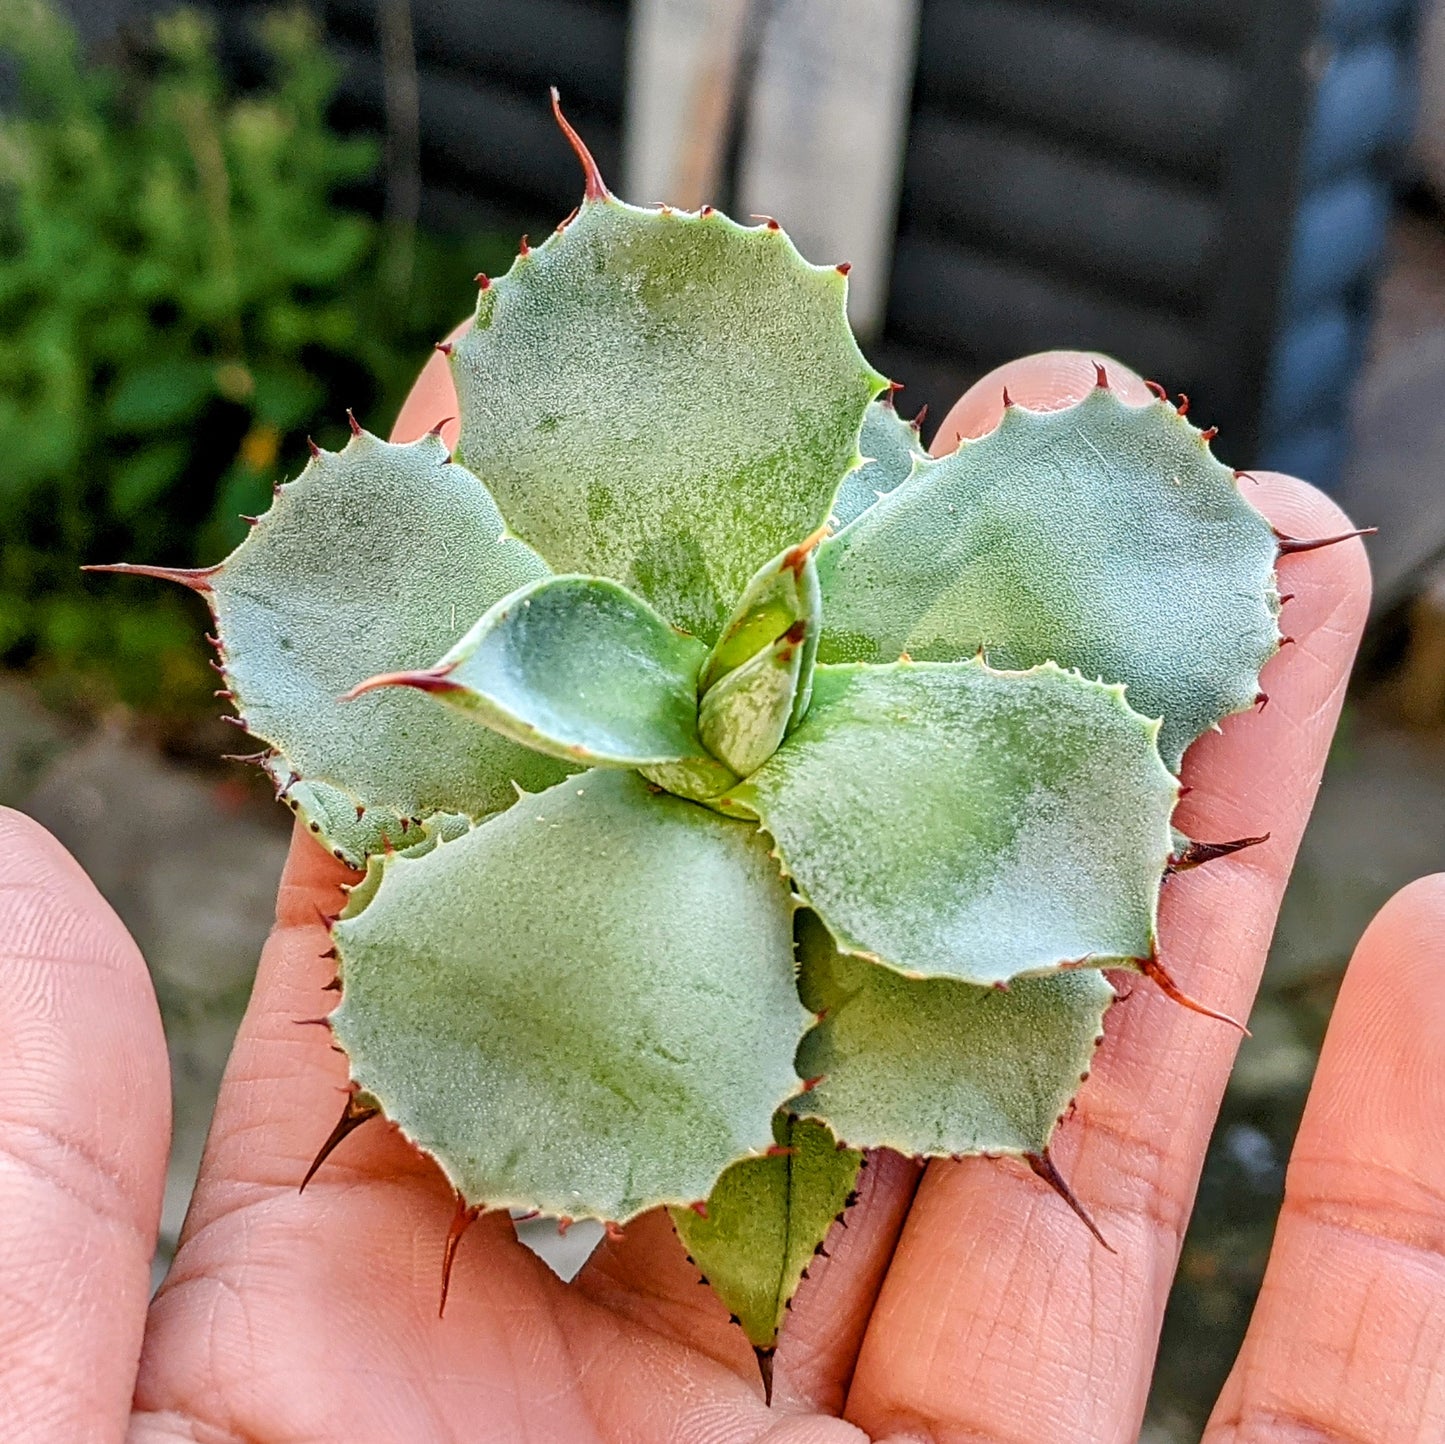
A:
[755,684]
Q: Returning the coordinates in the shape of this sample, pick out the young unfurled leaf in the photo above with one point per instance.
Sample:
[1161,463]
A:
[891,446]
[935,1066]
[1104,537]
[665,399]
[585,1005]
[953,821]
[579,668]
[743,717]
[783,593]
[765,1220]
[700,780]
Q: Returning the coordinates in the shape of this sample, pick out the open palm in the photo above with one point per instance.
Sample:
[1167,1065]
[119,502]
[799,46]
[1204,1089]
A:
[963,1302]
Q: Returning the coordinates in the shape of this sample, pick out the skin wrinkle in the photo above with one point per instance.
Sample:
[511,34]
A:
[1292,1429]
[106,1200]
[218,1286]
[1376,1219]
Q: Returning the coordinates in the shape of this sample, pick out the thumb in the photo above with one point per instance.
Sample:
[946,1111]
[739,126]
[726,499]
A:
[84,1133]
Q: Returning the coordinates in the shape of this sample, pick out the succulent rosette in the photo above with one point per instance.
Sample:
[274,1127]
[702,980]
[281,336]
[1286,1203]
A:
[737,788]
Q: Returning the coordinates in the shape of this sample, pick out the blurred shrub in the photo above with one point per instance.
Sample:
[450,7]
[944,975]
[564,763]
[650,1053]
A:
[181,300]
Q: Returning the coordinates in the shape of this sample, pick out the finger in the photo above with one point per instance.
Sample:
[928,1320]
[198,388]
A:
[1348,1337]
[258,1262]
[432,400]
[285,1084]
[1048,381]
[1000,1318]
[84,1133]
[819,1347]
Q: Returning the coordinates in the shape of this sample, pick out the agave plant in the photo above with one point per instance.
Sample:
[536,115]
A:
[737,788]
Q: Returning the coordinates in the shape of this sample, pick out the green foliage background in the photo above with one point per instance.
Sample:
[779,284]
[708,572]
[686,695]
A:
[182,299]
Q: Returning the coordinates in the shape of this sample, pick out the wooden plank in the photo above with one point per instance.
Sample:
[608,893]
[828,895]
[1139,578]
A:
[578,45]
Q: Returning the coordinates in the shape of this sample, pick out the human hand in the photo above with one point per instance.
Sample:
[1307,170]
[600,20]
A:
[962,1302]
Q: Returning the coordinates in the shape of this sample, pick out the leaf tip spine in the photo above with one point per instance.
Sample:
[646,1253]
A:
[429,679]
[353,1115]
[1289,545]
[1043,1165]
[196,579]
[465,1216]
[1155,971]
[595,188]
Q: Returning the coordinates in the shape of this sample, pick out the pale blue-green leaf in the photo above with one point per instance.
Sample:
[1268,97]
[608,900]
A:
[348,830]
[375,559]
[416,841]
[890,446]
[954,821]
[585,1005]
[579,668]
[1104,537]
[665,399]
[938,1067]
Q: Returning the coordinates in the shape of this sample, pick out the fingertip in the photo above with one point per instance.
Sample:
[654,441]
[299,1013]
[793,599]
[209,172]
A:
[1294,506]
[1259,772]
[311,881]
[30,856]
[64,951]
[1421,900]
[432,399]
[52,916]
[1381,1083]
[1047,381]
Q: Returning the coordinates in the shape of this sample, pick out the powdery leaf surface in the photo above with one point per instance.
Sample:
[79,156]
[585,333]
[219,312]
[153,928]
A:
[375,559]
[665,399]
[934,1066]
[585,1005]
[1103,537]
[890,446]
[580,668]
[953,821]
